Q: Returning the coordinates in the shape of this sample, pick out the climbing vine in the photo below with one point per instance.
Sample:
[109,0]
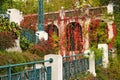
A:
[98,32]
[74,37]
[30,22]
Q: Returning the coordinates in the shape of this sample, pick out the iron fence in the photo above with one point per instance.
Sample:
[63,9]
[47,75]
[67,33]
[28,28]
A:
[42,73]
[74,65]
[4,16]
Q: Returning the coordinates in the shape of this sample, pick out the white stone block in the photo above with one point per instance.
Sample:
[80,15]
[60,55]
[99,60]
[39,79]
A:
[16,48]
[110,8]
[110,28]
[15,15]
[56,65]
[105,54]
[92,63]
[42,35]
[62,13]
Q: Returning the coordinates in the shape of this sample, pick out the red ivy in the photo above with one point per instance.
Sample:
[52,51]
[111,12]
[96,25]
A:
[93,35]
[114,33]
[30,21]
[74,37]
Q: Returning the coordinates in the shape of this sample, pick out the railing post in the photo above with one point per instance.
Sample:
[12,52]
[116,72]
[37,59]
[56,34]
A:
[56,66]
[34,68]
[9,71]
[92,63]
[105,54]
[110,8]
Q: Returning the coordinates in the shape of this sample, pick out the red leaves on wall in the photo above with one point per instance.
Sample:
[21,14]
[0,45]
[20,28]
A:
[74,37]
[98,32]
[114,33]
[30,21]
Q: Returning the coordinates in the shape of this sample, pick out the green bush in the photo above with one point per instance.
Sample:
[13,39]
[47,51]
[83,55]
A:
[15,58]
[12,58]
[98,52]
[8,33]
[27,39]
[112,72]
[24,43]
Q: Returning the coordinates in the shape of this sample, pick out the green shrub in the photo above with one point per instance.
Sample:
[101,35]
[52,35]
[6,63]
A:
[98,53]
[112,72]
[15,58]
[12,58]
[27,39]
[24,43]
[30,57]
[8,33]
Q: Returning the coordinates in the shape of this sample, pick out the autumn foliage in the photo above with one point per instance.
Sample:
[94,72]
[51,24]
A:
[98,32]
[42,48]
[30,22]
[6,40]
[74,37]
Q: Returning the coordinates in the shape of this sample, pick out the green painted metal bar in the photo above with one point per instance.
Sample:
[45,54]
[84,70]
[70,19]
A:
[73,55]
[34,69]
[22,64]
[40,15]
[9,72]
[49,73]
[33,74]
[40,18]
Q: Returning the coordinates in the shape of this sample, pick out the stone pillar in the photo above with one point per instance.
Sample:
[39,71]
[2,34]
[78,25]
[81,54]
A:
[92,63]
[15,15]
[56,65]
[16,47]
[86,34]
[110,8]
[62,13]
[110,28]
[62,27]
[41,35]
[105,54]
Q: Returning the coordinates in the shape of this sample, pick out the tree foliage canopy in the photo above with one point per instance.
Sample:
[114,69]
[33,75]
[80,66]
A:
[31,6]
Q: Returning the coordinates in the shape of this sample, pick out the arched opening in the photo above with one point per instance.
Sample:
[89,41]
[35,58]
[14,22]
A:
[53,37]
[52,29]
[98,32]
[74,37]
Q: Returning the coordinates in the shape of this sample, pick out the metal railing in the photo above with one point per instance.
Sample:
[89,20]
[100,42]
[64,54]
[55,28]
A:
[4,15]
[74,65]
[42,73]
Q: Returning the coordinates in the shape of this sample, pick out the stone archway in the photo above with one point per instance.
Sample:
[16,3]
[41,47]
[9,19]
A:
[52,29]
[74,37]
[53,37]
[98,32]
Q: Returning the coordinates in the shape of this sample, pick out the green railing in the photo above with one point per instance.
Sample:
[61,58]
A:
[4,15]
[74,65]
[42,73]
[98,61]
